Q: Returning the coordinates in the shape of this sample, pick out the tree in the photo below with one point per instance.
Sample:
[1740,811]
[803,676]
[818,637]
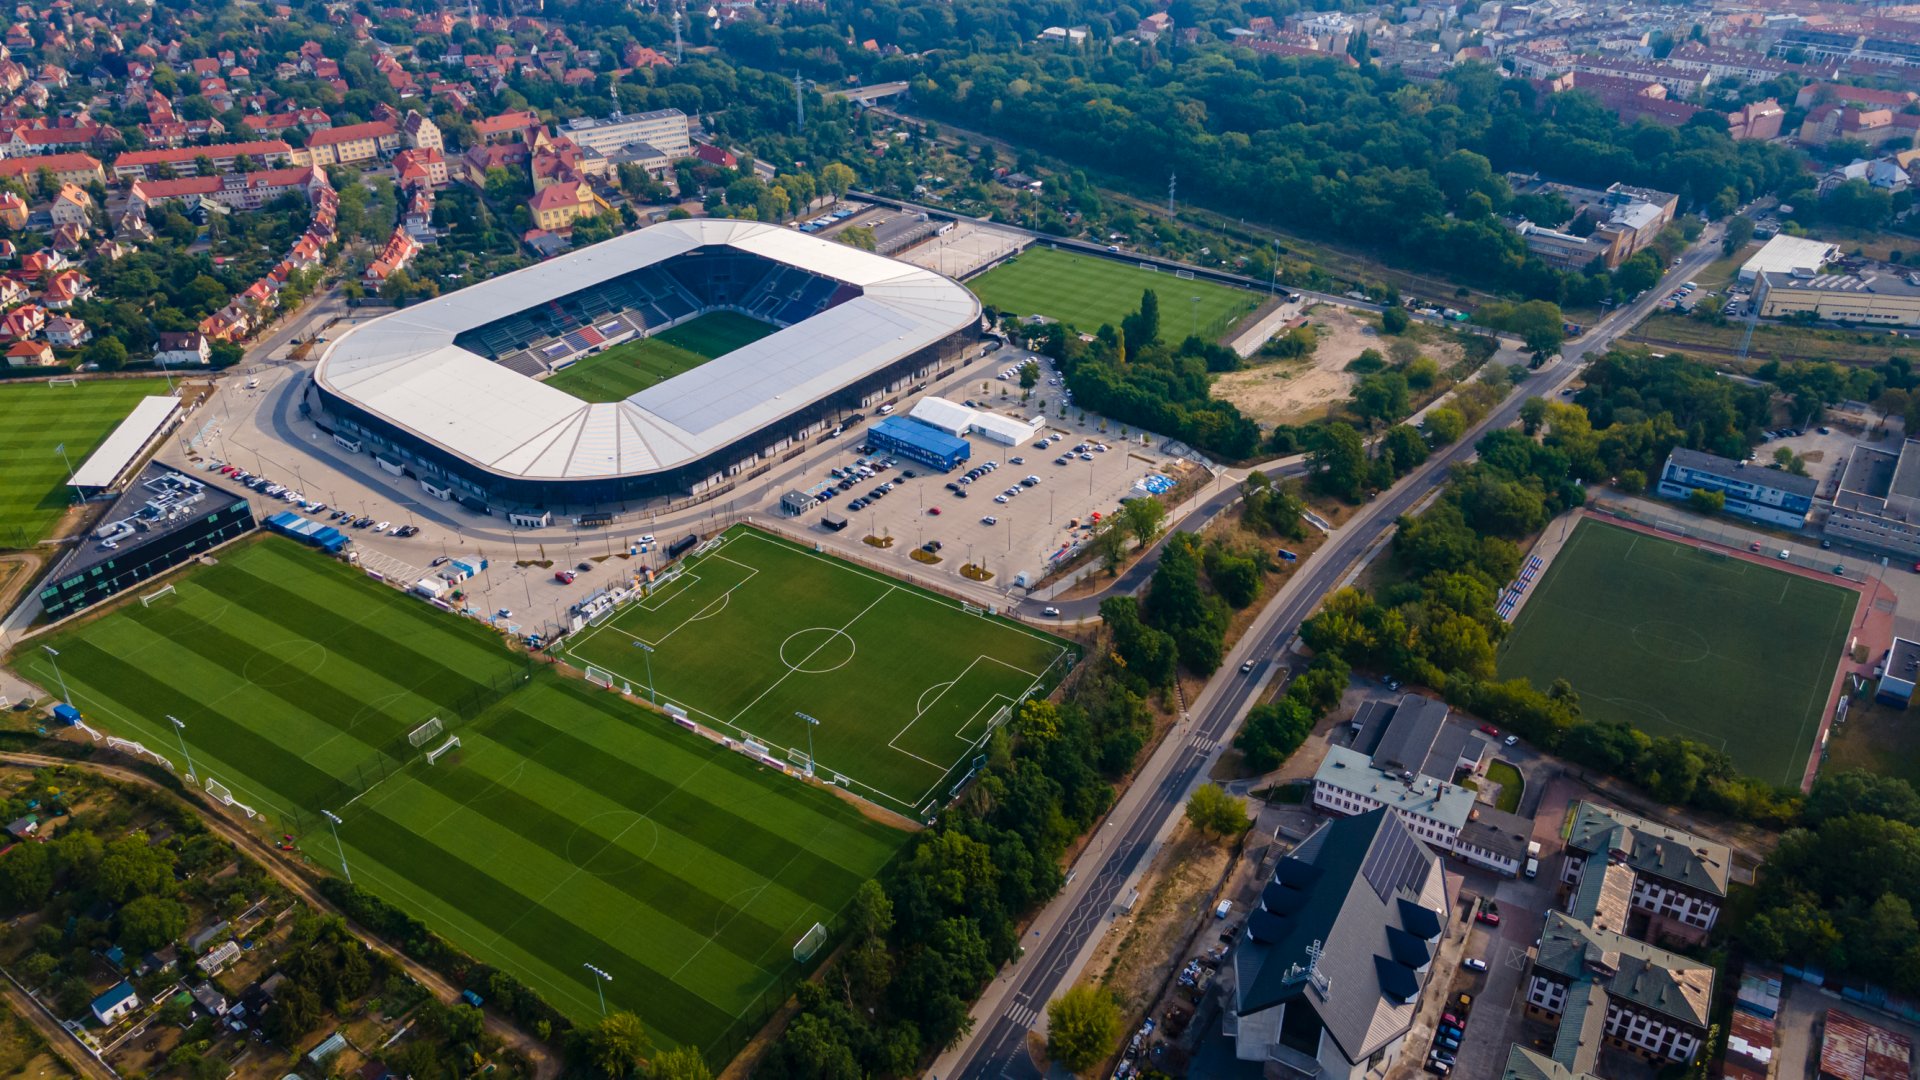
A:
[837,178]
[1273,731]
[1707,502]
[1739,232]
[1142,518]
[1381,397]
[148,922]
[1533,412]
[1402,449]
[106,354]
[1543,342]
[130,867]
[29,877]
[618,1045]
[1029,375]
[1216,813]
[680,1063]
[1338,461]
[1445,425]
[1083,1027]
[1394,321]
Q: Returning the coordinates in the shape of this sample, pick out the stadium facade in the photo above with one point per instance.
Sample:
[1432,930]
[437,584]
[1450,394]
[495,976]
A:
[449,391]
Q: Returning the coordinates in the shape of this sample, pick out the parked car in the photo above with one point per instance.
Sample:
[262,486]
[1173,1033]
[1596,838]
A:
[1490,730]
[1491,918]
[1050,612]
[1474,963]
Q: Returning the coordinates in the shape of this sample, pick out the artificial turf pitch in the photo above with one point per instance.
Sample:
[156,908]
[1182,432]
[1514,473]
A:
[1677,640]
[632,366]
[569,827]
[904,684]
[35,420]
[1085,291]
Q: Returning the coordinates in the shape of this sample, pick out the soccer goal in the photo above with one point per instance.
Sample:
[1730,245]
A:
[434,755]
[1183,275]
[599,676]
[62,380]
[219,792]
[423,734]
[809,943]
[800,758]
[164,590]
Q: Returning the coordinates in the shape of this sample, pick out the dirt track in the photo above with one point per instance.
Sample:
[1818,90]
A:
[295,879]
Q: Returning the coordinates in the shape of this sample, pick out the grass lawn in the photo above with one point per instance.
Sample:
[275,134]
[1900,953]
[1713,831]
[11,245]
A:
[568,826]
[632,366]
[1678,641]
[904,684]
[1512,785]
[1084,291]
[35,419]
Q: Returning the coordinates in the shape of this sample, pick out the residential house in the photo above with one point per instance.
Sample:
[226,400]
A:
[69,238]
[115,1003]
[72,206]
[67,333]
[509,127]
[1327,974]
[24,827]
[65,289]
[81,169]
[557,206]
[149,164]
[714,155]
[237,191]
[353,143]
[23,322]
[179,348]
[12,292]
[30,141]
[13,210]
[30,354]
[1875,127]
[400,249]
[422,167]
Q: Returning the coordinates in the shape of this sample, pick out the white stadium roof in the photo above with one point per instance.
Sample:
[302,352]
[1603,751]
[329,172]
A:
[405,368]
[120,449]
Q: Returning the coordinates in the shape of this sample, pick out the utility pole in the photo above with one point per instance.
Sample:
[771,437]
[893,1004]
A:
[679,13]
[1173,180]
[799,103]
[333,824]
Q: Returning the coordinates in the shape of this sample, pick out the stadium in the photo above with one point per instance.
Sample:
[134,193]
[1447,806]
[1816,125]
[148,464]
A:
[451,391]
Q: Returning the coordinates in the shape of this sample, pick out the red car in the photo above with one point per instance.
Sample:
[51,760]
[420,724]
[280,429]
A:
[1491,918]
[564,577]
[934,510]
[1490,730]
[1449,1018]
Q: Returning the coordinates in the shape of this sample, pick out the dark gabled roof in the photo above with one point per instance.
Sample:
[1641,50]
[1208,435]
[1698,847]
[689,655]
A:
[1729,469]
[1651,848]
[1342,928]
[1417,722]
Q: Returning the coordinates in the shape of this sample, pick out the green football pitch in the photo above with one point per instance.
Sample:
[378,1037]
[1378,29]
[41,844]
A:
[1677,640]
[758,632]
[1084,291]
[632,366]
[568,827]
[35,420]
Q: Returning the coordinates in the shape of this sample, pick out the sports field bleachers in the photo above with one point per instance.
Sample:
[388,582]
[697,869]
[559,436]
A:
[551,336]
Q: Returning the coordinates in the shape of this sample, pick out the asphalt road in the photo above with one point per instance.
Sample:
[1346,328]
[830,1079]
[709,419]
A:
[997,1046]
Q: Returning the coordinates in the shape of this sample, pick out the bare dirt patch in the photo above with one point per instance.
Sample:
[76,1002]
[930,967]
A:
[1293,391]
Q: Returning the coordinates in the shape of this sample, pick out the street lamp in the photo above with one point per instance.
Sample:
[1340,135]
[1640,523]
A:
[600,985]
[648,649]
[811,724]
[333,824]
[55,653]
[180,729]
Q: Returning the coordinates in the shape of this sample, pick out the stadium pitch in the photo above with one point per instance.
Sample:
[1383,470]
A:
[36,419]
[567,828]
[1084,291]
[758,632]
[1678,640]
[632,366]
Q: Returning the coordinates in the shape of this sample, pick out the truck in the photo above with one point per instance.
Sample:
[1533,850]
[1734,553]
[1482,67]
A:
[1533,858]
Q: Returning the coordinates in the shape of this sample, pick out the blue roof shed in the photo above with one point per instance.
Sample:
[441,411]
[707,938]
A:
[917,441]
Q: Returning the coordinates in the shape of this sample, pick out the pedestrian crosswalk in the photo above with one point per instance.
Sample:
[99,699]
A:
[1204,744]
[1022,1015]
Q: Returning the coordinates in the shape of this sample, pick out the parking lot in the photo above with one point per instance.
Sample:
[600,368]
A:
[1011,509]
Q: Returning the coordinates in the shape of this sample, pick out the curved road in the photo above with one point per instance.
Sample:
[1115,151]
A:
[1012,1007]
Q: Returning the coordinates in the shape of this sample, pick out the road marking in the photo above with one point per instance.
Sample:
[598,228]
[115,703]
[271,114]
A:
[1022,1015]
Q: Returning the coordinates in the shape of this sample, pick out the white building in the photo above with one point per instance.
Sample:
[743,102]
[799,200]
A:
[959,420]
[662,129]
[1786,255]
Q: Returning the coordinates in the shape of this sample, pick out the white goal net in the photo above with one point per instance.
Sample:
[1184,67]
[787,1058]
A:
[599,676]
[164,590]
[434,755]
[219,792]
[809,943]
[421,735]
[63,380]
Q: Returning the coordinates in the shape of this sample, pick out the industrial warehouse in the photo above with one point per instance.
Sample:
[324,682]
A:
[451,391]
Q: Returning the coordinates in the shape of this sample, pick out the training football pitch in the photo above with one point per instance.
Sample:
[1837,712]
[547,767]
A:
[1084,291]
[1676,640]
[569,827]
[758,632]
[35,420]
[632,366]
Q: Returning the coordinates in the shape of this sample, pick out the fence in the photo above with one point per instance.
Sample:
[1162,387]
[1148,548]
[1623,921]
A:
[1729,535]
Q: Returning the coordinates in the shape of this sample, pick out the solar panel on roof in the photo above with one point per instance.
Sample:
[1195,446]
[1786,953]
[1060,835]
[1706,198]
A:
[1395,862]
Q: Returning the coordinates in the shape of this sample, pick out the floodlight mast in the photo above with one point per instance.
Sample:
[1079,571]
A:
[648,649]
[180,729]
[333,823]
[811,724]
[600,985]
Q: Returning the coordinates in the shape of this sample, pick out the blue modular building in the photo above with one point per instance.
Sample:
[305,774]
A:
[307,531]
[912,439]
[1774,496]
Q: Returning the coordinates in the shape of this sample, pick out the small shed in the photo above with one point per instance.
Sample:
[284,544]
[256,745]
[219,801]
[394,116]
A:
[795,503]
[115,1003]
